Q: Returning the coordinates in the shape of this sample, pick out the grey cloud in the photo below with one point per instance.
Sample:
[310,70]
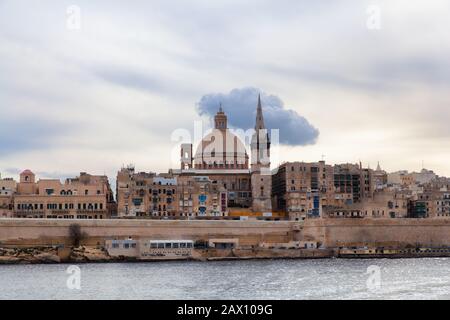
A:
[240,106]
[27,134]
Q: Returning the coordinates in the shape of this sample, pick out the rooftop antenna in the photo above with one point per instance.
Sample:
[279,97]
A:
[323,157]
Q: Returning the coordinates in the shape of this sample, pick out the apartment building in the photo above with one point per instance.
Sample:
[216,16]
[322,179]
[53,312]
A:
[83,197]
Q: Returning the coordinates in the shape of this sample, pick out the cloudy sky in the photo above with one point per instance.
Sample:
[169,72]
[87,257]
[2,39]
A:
[108,89]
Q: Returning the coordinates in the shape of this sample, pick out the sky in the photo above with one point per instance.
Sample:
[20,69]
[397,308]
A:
[96,85]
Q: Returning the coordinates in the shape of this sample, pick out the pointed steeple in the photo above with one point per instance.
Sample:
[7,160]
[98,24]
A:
[259,115]
[378,166]
[220,108]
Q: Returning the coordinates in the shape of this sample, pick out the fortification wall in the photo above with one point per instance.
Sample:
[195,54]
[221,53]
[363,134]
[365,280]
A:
[377,232]
[330,232]
[50,231]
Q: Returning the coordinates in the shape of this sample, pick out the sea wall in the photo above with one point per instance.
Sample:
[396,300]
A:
[331,233]
[377,232]
[51,232]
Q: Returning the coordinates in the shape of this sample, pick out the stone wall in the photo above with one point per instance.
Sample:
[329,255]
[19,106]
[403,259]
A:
[50,231]
[330,232]
[377,232]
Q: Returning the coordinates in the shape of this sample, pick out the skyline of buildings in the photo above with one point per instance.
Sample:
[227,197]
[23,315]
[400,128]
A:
[220,179]
[107,93]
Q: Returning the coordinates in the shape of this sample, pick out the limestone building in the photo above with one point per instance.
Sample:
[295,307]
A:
[141,194]
[306,189]
[215,181]
[302,189]
[83,197]
[7,189]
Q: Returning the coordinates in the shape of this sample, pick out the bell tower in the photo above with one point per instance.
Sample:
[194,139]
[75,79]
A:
[261,176]
[220,119]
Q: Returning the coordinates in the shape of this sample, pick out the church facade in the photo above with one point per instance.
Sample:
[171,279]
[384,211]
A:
[219,179]
[222,157]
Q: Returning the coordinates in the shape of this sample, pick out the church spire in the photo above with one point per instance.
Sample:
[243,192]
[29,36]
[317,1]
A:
[259,116]
[378,166]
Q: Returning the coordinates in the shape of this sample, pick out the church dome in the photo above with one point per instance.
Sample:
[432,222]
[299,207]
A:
[221,149]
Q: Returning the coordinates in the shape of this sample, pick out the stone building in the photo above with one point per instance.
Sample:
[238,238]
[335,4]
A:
[83,197]
[380,178]
[354,179]
[305,189]
[215,181]
[442,204]
[302,189]
[383,204]
[7,189]
[147,194]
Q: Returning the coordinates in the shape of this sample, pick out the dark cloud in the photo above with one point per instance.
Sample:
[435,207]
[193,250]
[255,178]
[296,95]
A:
[240,106]
[27,134]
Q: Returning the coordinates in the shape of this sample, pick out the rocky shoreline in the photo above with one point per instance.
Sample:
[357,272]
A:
[50,255]
[85,254]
